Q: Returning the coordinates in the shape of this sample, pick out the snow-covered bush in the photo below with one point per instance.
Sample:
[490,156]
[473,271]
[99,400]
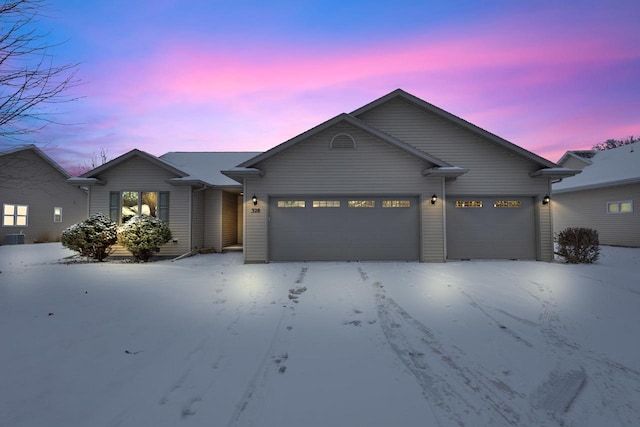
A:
[143,235]
[92,237]
[579,245]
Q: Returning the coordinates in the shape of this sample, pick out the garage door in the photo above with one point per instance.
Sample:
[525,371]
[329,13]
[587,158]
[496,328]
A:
[343,228]
[490,228]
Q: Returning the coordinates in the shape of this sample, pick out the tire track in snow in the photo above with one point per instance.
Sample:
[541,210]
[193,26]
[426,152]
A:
[607,377]
[451,389]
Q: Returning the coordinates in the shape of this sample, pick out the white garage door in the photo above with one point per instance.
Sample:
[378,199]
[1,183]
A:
[343,228]
[490,228]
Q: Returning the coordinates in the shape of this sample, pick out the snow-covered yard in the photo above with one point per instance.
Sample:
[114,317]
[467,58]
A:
[208,341]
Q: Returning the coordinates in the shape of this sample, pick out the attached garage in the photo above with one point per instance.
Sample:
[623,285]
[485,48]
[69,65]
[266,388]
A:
[358,228]
[491,228]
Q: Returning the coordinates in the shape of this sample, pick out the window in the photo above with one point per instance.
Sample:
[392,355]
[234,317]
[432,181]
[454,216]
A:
[507,204]
[57,214]
[362,204]
[127,204]
[291,203]
[396,203]
[15,215]
[468,203]
[326,203]
[622,207]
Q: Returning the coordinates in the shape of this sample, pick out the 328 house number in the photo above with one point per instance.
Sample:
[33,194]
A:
[255,210]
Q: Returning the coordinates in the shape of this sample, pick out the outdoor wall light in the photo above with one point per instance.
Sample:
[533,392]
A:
[434,199]
[546,199]
[255,200]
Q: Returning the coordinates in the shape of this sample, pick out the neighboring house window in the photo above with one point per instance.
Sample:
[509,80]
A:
[620,207]
[57,214]
[127,204]
[15,215]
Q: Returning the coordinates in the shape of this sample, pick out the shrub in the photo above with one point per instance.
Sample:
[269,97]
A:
[579,245]
[143,235]
[92,237]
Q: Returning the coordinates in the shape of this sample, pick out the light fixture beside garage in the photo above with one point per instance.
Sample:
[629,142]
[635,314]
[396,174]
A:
[434,199]
[546,199]
[255,200]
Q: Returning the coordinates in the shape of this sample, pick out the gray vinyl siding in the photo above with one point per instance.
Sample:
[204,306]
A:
[240,224]
[229,219]
[197,220]
[373,168]
[588,208]
[27,179]
[493,170]
[139,175]
[213,219]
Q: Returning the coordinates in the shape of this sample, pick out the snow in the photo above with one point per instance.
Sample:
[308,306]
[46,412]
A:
[208,341]
[608,167]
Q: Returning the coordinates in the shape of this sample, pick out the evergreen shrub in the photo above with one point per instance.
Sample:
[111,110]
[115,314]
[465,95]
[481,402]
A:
[143,235]
[92,237]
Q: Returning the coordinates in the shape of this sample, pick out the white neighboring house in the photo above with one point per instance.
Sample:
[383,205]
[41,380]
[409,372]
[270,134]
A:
[605,196]
[36,201]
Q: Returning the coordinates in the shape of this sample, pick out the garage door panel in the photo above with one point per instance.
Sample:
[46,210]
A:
[343,233]
[502,228]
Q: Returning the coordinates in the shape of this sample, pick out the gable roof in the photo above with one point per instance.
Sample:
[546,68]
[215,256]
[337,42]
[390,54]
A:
[128,156]
[354,121]
[581,155]
[42,155]
[609,167]
[206,166]
[457,121]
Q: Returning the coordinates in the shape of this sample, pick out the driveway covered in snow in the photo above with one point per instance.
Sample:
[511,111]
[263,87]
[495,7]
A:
[208,341]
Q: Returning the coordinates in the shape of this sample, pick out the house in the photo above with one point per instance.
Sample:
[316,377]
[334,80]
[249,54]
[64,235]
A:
[37,204]
[398,179]
[187,190]
[605,196]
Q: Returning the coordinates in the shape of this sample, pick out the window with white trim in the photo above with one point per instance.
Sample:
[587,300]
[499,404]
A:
[57,214]
[15,215]
[620,207]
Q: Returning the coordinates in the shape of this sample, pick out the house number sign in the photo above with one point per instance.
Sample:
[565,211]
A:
[255,210]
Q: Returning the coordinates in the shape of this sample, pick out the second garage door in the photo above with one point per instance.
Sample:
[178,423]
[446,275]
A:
[344,228]
[490,228]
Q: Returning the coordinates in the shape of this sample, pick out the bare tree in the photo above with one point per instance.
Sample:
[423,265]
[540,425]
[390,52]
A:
[615,143]
[30,80]
[96,160]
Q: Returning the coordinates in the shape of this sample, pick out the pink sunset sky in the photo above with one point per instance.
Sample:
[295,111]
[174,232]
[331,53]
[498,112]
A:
[203,75]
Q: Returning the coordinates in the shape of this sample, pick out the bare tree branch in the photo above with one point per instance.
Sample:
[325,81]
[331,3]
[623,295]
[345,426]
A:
[30,80]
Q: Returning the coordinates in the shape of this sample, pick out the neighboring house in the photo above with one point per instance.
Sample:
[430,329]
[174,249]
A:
[36,202]
[604,196]
[185,189]
[398,179]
